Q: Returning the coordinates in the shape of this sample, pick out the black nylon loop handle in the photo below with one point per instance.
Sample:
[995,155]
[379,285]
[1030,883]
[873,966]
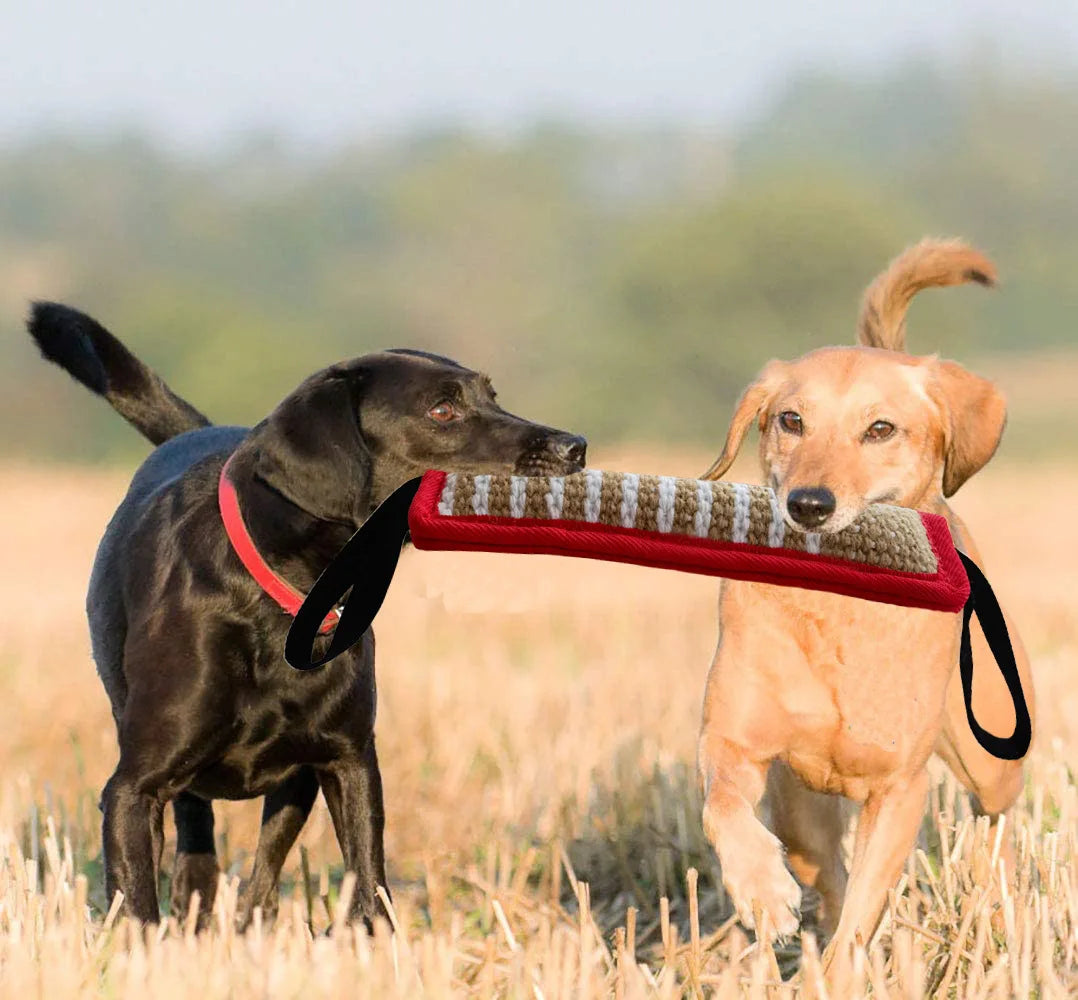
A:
[982,602]
[365,564]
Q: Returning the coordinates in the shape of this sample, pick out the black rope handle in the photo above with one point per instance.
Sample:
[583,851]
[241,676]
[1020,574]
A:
[367,562]
[365,565]
[982,603]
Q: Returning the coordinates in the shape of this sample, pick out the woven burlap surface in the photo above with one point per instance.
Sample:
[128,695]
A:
[884,536]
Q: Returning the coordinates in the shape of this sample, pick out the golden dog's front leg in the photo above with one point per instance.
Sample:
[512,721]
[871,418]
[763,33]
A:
[811,826]
[745,727]
[751,857]
[886,832]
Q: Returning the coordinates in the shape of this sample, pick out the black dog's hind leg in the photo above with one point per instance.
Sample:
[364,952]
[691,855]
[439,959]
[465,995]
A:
[157,836]
[284,812]
[353,791]
[196,857]
[127,837]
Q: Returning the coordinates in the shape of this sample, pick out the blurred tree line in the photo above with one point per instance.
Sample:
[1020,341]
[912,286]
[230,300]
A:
[622,283]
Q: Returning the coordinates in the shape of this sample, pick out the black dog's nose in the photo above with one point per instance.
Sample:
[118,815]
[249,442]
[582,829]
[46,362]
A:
[810,507]
[570,448]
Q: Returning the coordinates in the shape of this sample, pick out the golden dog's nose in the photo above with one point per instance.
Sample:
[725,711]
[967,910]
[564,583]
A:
[811,506]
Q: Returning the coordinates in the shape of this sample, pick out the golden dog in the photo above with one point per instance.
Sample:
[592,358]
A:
[812,696]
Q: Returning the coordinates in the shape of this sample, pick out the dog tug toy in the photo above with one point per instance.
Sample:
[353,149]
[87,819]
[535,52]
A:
[889,554]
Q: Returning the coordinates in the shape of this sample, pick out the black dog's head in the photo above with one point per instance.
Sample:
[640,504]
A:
[354,432]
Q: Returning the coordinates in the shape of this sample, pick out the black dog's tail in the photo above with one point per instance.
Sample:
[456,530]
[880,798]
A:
[93,356]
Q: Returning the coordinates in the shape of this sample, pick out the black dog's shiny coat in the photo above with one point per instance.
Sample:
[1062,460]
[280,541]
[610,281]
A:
[188,646]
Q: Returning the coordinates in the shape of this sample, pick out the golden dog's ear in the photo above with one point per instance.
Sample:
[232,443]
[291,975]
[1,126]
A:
[974,414]
[753,404]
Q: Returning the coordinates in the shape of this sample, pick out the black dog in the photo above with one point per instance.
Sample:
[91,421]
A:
[190,647]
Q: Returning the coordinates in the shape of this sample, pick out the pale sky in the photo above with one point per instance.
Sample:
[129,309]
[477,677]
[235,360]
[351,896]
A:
[199,71]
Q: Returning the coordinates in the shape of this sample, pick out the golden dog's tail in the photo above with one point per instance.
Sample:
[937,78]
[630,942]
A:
[932,263]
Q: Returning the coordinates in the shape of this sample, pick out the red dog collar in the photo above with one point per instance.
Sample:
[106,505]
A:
[277,587]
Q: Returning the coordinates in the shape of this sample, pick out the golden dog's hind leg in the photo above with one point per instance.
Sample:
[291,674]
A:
[750,856]
[993,784]
[886,832]
[811,824]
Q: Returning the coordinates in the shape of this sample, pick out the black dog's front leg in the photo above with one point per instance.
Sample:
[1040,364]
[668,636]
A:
[353,791]
[128,842]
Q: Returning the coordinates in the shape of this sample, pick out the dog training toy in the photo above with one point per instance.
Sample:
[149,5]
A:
[889,554]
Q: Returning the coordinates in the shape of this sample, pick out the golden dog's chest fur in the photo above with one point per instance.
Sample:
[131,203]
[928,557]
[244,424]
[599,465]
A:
[863,699]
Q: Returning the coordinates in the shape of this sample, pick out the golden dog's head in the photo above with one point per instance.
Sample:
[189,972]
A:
[844,427]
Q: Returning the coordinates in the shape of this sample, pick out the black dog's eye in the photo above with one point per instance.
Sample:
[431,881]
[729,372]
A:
[790,422]
[880,430]
[443,413]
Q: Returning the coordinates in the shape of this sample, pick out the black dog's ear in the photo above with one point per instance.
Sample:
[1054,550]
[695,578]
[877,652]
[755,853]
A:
[311,450]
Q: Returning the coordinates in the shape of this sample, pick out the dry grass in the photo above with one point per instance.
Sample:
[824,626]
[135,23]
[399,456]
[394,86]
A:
[537,722]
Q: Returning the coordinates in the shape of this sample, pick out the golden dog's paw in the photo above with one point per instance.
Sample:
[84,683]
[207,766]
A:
[771,888]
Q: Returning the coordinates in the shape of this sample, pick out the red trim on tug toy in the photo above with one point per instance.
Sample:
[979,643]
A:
[287,596]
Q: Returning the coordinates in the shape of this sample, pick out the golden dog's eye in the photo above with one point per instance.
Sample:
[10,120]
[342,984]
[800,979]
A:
[881,430]
[443,413]
[790,421]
